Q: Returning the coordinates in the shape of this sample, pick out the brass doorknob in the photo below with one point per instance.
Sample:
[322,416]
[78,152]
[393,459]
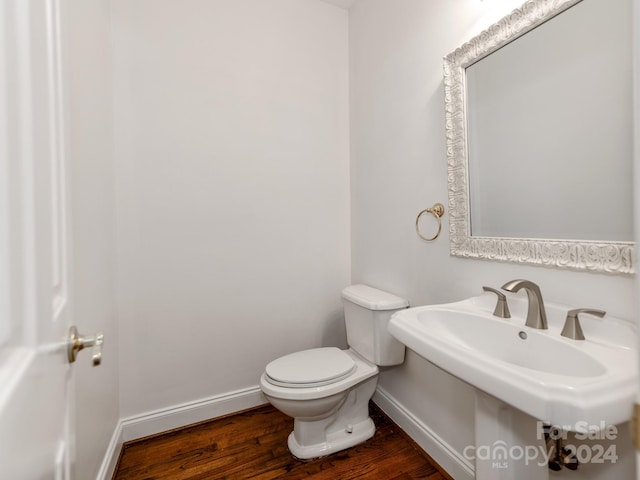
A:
[79,342]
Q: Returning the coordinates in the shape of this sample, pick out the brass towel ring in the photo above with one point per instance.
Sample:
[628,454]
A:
[437,211]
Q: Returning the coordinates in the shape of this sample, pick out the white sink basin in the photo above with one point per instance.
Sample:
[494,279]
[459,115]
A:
[570,383]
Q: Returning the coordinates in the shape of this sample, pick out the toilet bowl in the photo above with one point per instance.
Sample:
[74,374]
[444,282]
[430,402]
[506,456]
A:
[330,415]
[327,390]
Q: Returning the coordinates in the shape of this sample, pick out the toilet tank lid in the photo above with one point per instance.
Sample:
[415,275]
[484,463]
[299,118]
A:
[372,298]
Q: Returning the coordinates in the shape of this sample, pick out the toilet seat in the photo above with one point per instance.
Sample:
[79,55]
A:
[310,368]
[362,371]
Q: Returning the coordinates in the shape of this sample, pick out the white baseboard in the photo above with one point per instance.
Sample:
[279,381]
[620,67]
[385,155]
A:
[162,420]
[165,419]
[110,459]
[443,453]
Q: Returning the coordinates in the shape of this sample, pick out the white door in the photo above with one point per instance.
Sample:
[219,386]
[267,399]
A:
[36,440]
[636,183]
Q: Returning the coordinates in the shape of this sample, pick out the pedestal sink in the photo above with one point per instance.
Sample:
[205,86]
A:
[525,375]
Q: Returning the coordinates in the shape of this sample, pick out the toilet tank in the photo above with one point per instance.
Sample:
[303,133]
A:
[367,311]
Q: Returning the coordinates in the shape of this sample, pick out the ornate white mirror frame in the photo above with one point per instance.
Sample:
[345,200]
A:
[585,255]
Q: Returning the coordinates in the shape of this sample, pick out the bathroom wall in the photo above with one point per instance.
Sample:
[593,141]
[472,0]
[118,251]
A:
[398,167]
[92,193]
[231,137]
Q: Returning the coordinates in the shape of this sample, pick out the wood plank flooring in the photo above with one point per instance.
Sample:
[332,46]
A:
[253,444]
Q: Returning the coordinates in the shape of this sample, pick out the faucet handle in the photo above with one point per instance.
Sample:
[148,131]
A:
[572,328]
[502,308]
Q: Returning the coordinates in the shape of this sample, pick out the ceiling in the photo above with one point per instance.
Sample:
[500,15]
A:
[346,4]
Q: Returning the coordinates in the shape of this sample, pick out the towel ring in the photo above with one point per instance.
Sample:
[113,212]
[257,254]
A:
[437,211]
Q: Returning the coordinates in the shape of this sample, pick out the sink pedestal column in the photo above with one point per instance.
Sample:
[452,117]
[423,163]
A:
[507,440]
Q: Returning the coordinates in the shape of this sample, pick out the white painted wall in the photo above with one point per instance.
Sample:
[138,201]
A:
[92,190]
[232,174]
[231,133]
[398,167]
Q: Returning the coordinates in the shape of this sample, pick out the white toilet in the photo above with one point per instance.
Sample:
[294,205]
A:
[327,390]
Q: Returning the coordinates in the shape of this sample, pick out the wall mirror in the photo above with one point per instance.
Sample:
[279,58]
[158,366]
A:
[539,138]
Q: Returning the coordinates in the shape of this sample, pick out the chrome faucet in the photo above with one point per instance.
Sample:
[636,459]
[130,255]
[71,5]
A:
[536,315]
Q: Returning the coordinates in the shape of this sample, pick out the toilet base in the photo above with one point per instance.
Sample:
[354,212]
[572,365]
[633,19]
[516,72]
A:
[335,441]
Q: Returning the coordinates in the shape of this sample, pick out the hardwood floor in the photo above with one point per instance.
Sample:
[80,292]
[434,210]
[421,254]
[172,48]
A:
[253,444]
